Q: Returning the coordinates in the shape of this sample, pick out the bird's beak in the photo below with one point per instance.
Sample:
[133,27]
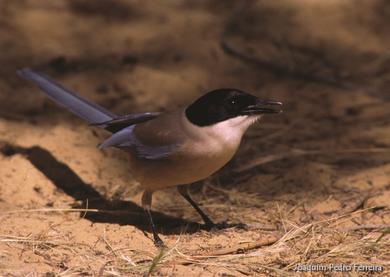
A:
[262,107]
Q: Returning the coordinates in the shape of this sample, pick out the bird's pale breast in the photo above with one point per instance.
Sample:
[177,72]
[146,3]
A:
[195,158]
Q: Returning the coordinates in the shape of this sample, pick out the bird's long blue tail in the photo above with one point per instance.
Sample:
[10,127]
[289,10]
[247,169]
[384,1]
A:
[81,107]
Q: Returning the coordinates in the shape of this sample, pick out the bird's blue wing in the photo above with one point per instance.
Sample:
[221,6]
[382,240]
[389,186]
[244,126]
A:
[120,122]
[126,138]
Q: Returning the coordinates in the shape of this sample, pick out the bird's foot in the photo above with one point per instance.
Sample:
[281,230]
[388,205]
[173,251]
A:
[158,242]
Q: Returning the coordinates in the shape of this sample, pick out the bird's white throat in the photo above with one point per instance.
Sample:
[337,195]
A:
[231,130]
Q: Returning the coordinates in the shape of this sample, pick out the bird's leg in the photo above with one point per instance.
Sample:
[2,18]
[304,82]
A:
[184,192]
[147,204]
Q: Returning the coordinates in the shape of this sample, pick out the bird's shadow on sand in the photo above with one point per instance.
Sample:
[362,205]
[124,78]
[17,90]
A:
[117,212]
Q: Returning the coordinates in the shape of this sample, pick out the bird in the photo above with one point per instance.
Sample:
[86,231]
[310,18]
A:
[174,148]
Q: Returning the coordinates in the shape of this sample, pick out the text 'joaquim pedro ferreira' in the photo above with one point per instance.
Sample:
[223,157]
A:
[338,267]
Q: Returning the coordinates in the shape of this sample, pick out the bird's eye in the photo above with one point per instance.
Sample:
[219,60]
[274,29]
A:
[234,101]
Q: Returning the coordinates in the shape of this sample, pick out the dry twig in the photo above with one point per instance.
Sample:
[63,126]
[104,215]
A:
[244,247]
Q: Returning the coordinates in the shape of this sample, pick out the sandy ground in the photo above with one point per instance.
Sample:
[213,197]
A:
[312,185]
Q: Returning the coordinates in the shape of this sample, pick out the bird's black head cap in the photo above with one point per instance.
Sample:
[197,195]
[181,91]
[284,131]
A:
[218,105]
[223,104]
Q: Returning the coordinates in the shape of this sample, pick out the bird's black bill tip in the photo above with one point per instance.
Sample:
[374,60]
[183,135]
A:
[263,107]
